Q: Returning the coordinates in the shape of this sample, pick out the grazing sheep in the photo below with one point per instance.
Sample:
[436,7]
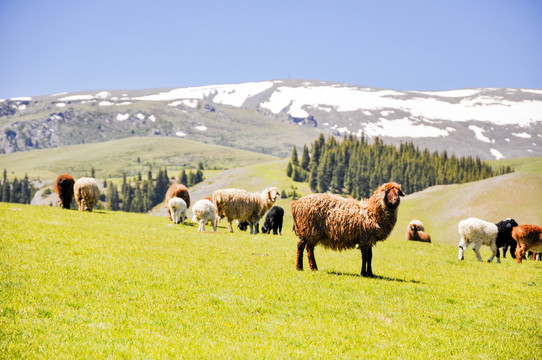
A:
[504,236]
[64,189]
[273,220]
[415,231]
[528,237]
[477,232]
[180,191]
[340,224]
[86,192]
[204,211]
[177,209]
[243,225]
[243,205]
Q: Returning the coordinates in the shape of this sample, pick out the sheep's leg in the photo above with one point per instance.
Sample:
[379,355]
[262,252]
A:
[310,257]
[230,229]
[213,223]
[520,251]
[495,253]
[300,249]
[201,225]
[477,253]
[366,260]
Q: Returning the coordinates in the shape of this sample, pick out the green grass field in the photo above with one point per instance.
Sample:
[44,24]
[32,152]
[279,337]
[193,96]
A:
[120,285]
[111,159]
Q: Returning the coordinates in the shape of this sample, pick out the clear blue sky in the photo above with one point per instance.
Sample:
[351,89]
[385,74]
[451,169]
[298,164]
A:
[55,46]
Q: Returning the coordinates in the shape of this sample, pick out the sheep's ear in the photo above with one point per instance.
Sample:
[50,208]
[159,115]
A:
[401,193]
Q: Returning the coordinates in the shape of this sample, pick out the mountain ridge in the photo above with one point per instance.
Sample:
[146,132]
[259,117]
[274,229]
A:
[272,116]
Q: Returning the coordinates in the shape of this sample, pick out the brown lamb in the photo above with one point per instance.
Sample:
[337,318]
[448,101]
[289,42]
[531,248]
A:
[177,190]
[340,224]
[528,237]
[415,233]
[64,189]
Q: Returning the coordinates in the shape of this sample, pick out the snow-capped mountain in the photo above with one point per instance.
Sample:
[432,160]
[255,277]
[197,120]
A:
[270,116]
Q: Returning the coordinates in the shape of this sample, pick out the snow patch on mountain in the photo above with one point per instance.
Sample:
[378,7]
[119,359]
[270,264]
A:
[402,128]
[523,135]
[233,94]
[498,155]
[479,133]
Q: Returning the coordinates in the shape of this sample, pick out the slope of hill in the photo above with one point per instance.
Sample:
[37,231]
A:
[113,158]
[271,116]
[516,195]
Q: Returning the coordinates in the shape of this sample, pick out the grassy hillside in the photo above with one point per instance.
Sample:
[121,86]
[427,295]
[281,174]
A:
[111,159]
[119,285]
[531,165]
[516,195]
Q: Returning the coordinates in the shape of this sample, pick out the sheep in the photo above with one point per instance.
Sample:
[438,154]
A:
[86,193]
[273,220]
[243,205]
[415,231]
[177,209]
[528,237]
[180,191]
[64,189]
[204,211]
[504,236]
[340,223]
[243,225]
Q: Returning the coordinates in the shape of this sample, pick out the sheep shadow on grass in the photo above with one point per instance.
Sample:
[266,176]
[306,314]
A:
[376,277]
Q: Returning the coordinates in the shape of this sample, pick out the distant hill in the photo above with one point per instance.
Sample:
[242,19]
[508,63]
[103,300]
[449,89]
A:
[272,116]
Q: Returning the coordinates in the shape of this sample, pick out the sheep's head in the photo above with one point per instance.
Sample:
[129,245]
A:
[505,231]
[413,228]
[391,193]
[271,194]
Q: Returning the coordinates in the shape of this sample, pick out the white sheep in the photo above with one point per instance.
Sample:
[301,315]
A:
[87,193]
[242,205]
[177,209]
[204,211]
[477,232]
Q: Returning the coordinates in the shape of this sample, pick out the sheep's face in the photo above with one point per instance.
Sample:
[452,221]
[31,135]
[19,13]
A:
[413,228]
[272,194]
[392,195]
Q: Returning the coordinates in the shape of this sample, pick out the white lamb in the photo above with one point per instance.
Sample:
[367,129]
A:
[177,209]
[477,232]
[204,211]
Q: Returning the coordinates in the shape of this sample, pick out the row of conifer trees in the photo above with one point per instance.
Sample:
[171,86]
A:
[355,167]
[16,191]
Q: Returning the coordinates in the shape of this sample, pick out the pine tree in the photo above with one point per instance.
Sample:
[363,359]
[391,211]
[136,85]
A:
[305,159]
[294,160]
[112,197]
[289,169]
[183,179]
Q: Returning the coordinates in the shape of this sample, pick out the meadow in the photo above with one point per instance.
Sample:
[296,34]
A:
[124,285]
[121,285]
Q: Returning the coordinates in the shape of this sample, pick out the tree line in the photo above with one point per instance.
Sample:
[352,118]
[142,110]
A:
[354,167]
[141,195]
[16,191]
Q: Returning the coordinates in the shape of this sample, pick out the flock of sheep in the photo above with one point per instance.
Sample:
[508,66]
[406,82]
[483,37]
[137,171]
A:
[332,221]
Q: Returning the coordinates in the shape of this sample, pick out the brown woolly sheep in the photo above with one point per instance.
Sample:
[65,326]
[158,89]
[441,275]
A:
[86,192]
[180,191]
[243,205]
[528,237]
[415,232]
[340,224]
[64,189]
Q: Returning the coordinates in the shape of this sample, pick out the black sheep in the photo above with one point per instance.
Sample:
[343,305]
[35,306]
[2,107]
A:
[273,221]
[504,237]
[243,226]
